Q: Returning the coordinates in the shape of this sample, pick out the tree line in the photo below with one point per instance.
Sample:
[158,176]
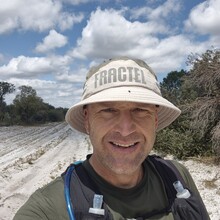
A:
[27,107]
[196,92]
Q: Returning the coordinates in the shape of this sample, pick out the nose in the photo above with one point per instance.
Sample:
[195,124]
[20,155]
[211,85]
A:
[125,124]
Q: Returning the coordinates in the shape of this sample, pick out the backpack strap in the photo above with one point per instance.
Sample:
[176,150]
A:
[169,174]
[80,198]
[182,209]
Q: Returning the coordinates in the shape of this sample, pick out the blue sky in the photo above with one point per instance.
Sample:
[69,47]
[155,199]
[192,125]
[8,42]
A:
[51,44]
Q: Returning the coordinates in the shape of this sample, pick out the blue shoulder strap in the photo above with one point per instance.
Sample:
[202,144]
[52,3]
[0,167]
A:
[67,189]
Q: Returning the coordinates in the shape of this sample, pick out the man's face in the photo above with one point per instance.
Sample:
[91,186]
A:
[122,134]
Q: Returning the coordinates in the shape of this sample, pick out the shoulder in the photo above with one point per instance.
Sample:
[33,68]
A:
[49,192]
[186,176]
[50,196]
[160,161]
[45,203]
[183,171]
[56,185]
[179,166]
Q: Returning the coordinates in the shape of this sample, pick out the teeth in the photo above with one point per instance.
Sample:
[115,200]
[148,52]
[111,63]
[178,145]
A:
[124,145]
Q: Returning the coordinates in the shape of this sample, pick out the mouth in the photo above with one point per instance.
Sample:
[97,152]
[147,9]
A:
[120,145]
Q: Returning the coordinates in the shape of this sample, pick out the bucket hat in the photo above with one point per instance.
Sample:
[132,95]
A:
[122,79]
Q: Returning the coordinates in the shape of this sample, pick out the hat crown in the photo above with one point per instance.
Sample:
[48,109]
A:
[120,72]
[139,62]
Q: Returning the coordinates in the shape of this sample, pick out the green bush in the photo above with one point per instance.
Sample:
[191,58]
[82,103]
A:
[181,145]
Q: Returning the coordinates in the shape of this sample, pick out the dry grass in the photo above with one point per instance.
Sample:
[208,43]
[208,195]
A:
[209,160]
[211,184]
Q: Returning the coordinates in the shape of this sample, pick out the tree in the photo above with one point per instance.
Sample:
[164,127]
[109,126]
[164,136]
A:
[5,88]
[196,93]
[205,110]
[205,72]
[171,85]
[27,103]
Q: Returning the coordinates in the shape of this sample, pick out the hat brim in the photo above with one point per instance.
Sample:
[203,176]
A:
[167,112]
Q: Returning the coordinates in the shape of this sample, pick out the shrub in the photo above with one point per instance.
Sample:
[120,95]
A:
[181,144]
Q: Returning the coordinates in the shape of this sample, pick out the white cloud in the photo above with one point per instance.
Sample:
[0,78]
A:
[22,66]
[73,77]
[76,2]
[167,56]
[26,66]
[52,41]
[108,33]
[35,15]
[167,9]
[205,18]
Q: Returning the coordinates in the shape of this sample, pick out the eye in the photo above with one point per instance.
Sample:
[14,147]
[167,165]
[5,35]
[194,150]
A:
[141,112]
[110,110]
[108,113]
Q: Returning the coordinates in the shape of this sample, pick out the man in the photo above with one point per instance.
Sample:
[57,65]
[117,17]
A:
[121,110]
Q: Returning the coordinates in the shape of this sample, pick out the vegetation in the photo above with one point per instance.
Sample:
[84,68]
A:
[196,92]
[27,107]
[5,88]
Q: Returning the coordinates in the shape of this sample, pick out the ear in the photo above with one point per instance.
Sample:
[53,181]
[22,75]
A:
[85,112]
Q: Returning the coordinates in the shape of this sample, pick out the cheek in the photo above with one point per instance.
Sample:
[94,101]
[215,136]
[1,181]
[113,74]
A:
[96,127]
[97,134]
[148,129]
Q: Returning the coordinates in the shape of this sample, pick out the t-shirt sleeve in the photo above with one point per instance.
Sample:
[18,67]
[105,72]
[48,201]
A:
[47,203]
[37,207]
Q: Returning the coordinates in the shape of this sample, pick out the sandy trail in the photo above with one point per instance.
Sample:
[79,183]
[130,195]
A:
[30,157]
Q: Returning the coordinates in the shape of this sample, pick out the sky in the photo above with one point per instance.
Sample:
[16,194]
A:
[51,44]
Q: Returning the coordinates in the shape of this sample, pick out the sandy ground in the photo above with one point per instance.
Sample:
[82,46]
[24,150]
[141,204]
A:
[30,157]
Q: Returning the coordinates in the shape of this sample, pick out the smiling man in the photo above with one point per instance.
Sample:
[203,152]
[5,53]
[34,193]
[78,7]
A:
[121,110]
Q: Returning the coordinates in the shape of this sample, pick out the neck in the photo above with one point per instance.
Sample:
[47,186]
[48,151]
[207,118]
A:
[121,180]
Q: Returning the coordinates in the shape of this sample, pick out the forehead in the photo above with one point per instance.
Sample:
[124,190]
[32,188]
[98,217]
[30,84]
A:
[122,104]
